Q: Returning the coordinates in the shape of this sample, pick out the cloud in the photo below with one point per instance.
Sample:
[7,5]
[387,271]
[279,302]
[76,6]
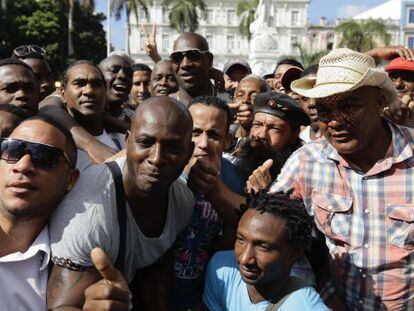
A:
[350,10]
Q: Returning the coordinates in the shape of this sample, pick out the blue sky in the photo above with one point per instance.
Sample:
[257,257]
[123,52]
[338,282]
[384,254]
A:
[330,9]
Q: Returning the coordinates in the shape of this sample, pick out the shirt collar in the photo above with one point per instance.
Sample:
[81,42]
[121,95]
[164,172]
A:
[40,245]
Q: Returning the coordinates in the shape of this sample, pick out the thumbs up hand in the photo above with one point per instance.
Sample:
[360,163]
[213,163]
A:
[260,178]
[110,293]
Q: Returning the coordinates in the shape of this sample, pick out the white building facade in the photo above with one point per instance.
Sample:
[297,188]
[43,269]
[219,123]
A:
[398,16]
[278,25]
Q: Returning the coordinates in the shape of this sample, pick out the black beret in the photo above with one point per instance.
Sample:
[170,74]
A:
[282,106]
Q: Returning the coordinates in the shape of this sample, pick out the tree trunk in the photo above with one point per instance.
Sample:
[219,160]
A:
[4,6]
[128,31]
[70,30]
[108,30]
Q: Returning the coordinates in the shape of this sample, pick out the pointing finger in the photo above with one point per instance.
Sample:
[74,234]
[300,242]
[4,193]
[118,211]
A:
[265,167]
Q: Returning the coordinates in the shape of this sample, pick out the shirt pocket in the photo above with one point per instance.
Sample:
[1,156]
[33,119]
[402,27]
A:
[333,215]
[400,225]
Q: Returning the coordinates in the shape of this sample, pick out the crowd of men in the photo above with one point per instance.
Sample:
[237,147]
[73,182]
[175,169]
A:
[185,187]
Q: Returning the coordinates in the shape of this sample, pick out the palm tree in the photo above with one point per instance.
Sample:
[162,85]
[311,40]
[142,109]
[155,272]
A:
[308,59]
[246,10]
[130,6]
[364,35]
[87,5]
[184,13]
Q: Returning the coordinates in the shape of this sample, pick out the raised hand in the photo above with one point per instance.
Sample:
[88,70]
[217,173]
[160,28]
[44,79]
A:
[260,178]
[151,43]
[391,52]
[205,172]
[401,111]
[110,293]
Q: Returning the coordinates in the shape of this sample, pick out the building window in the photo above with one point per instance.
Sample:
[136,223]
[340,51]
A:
[210,41]
[410,16]
[294,18]
[231,42]
[294,41]
[166,42]
[411,42]
[209,15]
[231,17]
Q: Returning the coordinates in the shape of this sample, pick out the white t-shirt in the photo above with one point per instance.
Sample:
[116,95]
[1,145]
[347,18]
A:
[87,218]
[23,276]
[113,140]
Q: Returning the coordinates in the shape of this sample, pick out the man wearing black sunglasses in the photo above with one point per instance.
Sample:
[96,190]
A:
[37,168]
[191,62]
[19,86]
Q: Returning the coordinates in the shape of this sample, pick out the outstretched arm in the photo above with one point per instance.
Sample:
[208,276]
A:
[98,152]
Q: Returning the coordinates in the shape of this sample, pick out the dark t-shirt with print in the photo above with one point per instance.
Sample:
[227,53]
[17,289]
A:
[195,245]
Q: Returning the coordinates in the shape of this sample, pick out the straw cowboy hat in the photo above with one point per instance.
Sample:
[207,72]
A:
[343,70]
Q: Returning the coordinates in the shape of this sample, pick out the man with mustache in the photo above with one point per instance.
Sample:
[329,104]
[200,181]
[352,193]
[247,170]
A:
[274,133]
[19,86]
[84,95]
[163,81]
[272,234]
[133,211]
[354,184]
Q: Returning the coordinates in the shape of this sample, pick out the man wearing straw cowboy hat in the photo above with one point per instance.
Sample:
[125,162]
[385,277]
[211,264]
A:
[358,183]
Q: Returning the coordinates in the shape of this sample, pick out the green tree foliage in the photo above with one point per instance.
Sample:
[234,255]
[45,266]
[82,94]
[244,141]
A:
[363,36]
[309,59]
[130,6]
[44,22]
[87,5]
[184,14]
[246,10]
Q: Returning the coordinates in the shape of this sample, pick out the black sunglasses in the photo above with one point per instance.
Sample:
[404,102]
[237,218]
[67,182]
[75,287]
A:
[192,55]
[25,50]
[42,156]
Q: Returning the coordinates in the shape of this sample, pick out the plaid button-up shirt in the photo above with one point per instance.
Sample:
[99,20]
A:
[368,219]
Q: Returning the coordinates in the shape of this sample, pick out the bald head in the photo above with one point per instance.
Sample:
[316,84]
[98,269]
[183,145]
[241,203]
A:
[163,107]
[190,40]
[159,146]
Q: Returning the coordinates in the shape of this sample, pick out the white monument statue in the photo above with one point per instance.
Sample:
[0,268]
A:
[263,45]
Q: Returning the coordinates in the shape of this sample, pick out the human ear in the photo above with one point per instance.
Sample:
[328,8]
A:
[72,178]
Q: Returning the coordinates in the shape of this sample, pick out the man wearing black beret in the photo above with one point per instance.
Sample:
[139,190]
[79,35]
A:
[274,134]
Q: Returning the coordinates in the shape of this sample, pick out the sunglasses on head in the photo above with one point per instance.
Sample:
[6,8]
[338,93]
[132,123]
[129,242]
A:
[25,50]
[193,55]
[42,156]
